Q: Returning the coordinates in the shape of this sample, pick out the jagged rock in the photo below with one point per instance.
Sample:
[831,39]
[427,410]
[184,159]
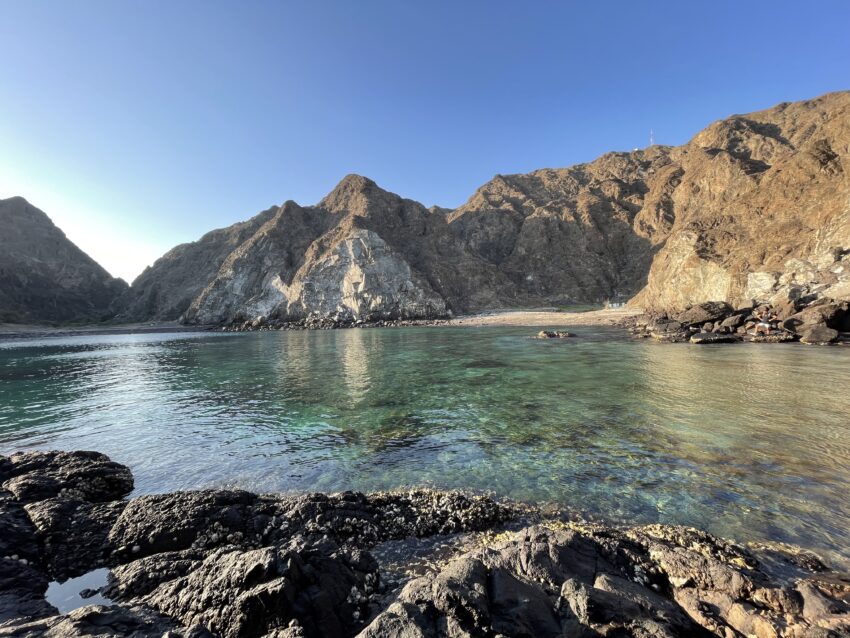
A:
[73,533]
[247,594]
[22,589]
[652,581]
[212,518]
[44,276]
[17,533]
[99,621]
[88,476]
[232,563]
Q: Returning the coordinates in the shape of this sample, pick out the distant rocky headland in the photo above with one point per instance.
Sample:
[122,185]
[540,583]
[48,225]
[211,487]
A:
[753,210]
[418,563]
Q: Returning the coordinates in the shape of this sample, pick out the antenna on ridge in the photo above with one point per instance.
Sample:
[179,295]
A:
[651,137]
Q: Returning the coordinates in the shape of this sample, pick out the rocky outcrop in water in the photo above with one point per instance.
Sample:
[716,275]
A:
[811,320]
[44,277]
[231,563]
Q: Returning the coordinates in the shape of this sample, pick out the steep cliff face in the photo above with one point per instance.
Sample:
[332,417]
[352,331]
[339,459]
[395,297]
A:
[165,290]
[361,250]
[579,234]
[43,275]
[762,210]
[755,207]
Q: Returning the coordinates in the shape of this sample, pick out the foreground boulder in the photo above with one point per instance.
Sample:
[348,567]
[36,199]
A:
[88,476]
[231,563]
[578,580]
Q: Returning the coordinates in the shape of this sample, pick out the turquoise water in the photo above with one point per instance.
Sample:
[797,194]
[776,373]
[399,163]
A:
[748,441]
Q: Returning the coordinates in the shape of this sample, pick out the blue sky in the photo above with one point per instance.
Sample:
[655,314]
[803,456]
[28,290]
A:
[137,125]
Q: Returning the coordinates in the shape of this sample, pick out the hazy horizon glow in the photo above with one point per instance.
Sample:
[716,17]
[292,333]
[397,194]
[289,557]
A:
[140,125]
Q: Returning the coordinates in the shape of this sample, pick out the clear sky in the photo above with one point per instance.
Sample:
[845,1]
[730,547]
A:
[140,124]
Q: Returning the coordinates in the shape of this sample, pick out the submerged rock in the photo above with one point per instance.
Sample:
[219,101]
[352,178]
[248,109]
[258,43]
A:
[231,563]
[554,334]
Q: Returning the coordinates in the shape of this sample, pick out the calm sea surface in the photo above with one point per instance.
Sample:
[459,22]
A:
[748,441]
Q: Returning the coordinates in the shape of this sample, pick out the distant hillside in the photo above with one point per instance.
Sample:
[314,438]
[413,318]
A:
[44,276]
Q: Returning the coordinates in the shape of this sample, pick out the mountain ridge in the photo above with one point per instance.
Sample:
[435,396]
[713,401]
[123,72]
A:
[753,208]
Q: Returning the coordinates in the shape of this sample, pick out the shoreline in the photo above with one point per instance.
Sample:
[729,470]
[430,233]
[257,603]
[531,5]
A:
[535,318]
[408,563]
[10,332]
[530,318]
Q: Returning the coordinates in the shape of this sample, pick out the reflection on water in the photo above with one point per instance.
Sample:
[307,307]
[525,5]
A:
[747,441]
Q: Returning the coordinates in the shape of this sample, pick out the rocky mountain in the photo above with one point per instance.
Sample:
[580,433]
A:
[761,210]
[554,236]
[361,250]
[165,290]
[752,208]
[43,275]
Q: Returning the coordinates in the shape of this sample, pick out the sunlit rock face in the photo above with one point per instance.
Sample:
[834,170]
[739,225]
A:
[361,275]
[754,208]
[43,275]
[762,211]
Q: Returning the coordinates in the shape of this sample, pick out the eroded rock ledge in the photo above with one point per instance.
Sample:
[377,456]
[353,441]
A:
[232,563]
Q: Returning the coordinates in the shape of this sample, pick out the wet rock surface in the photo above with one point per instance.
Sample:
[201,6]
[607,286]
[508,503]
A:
[554,334]
[232,563]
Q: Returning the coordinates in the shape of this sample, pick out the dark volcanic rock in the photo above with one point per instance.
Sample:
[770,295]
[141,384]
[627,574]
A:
[22,590]
[73,533]
[235,564]
[656,581]
[17,533]
[98,621]
[45,277]
[249,593]
[89,476]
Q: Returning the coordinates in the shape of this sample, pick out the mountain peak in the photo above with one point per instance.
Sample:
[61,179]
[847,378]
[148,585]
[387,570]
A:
[352,193]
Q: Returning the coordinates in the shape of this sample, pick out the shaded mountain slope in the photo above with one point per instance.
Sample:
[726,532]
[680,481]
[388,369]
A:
[43,275]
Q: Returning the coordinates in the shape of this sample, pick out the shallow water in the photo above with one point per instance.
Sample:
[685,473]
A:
[748,441]
[65,596]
